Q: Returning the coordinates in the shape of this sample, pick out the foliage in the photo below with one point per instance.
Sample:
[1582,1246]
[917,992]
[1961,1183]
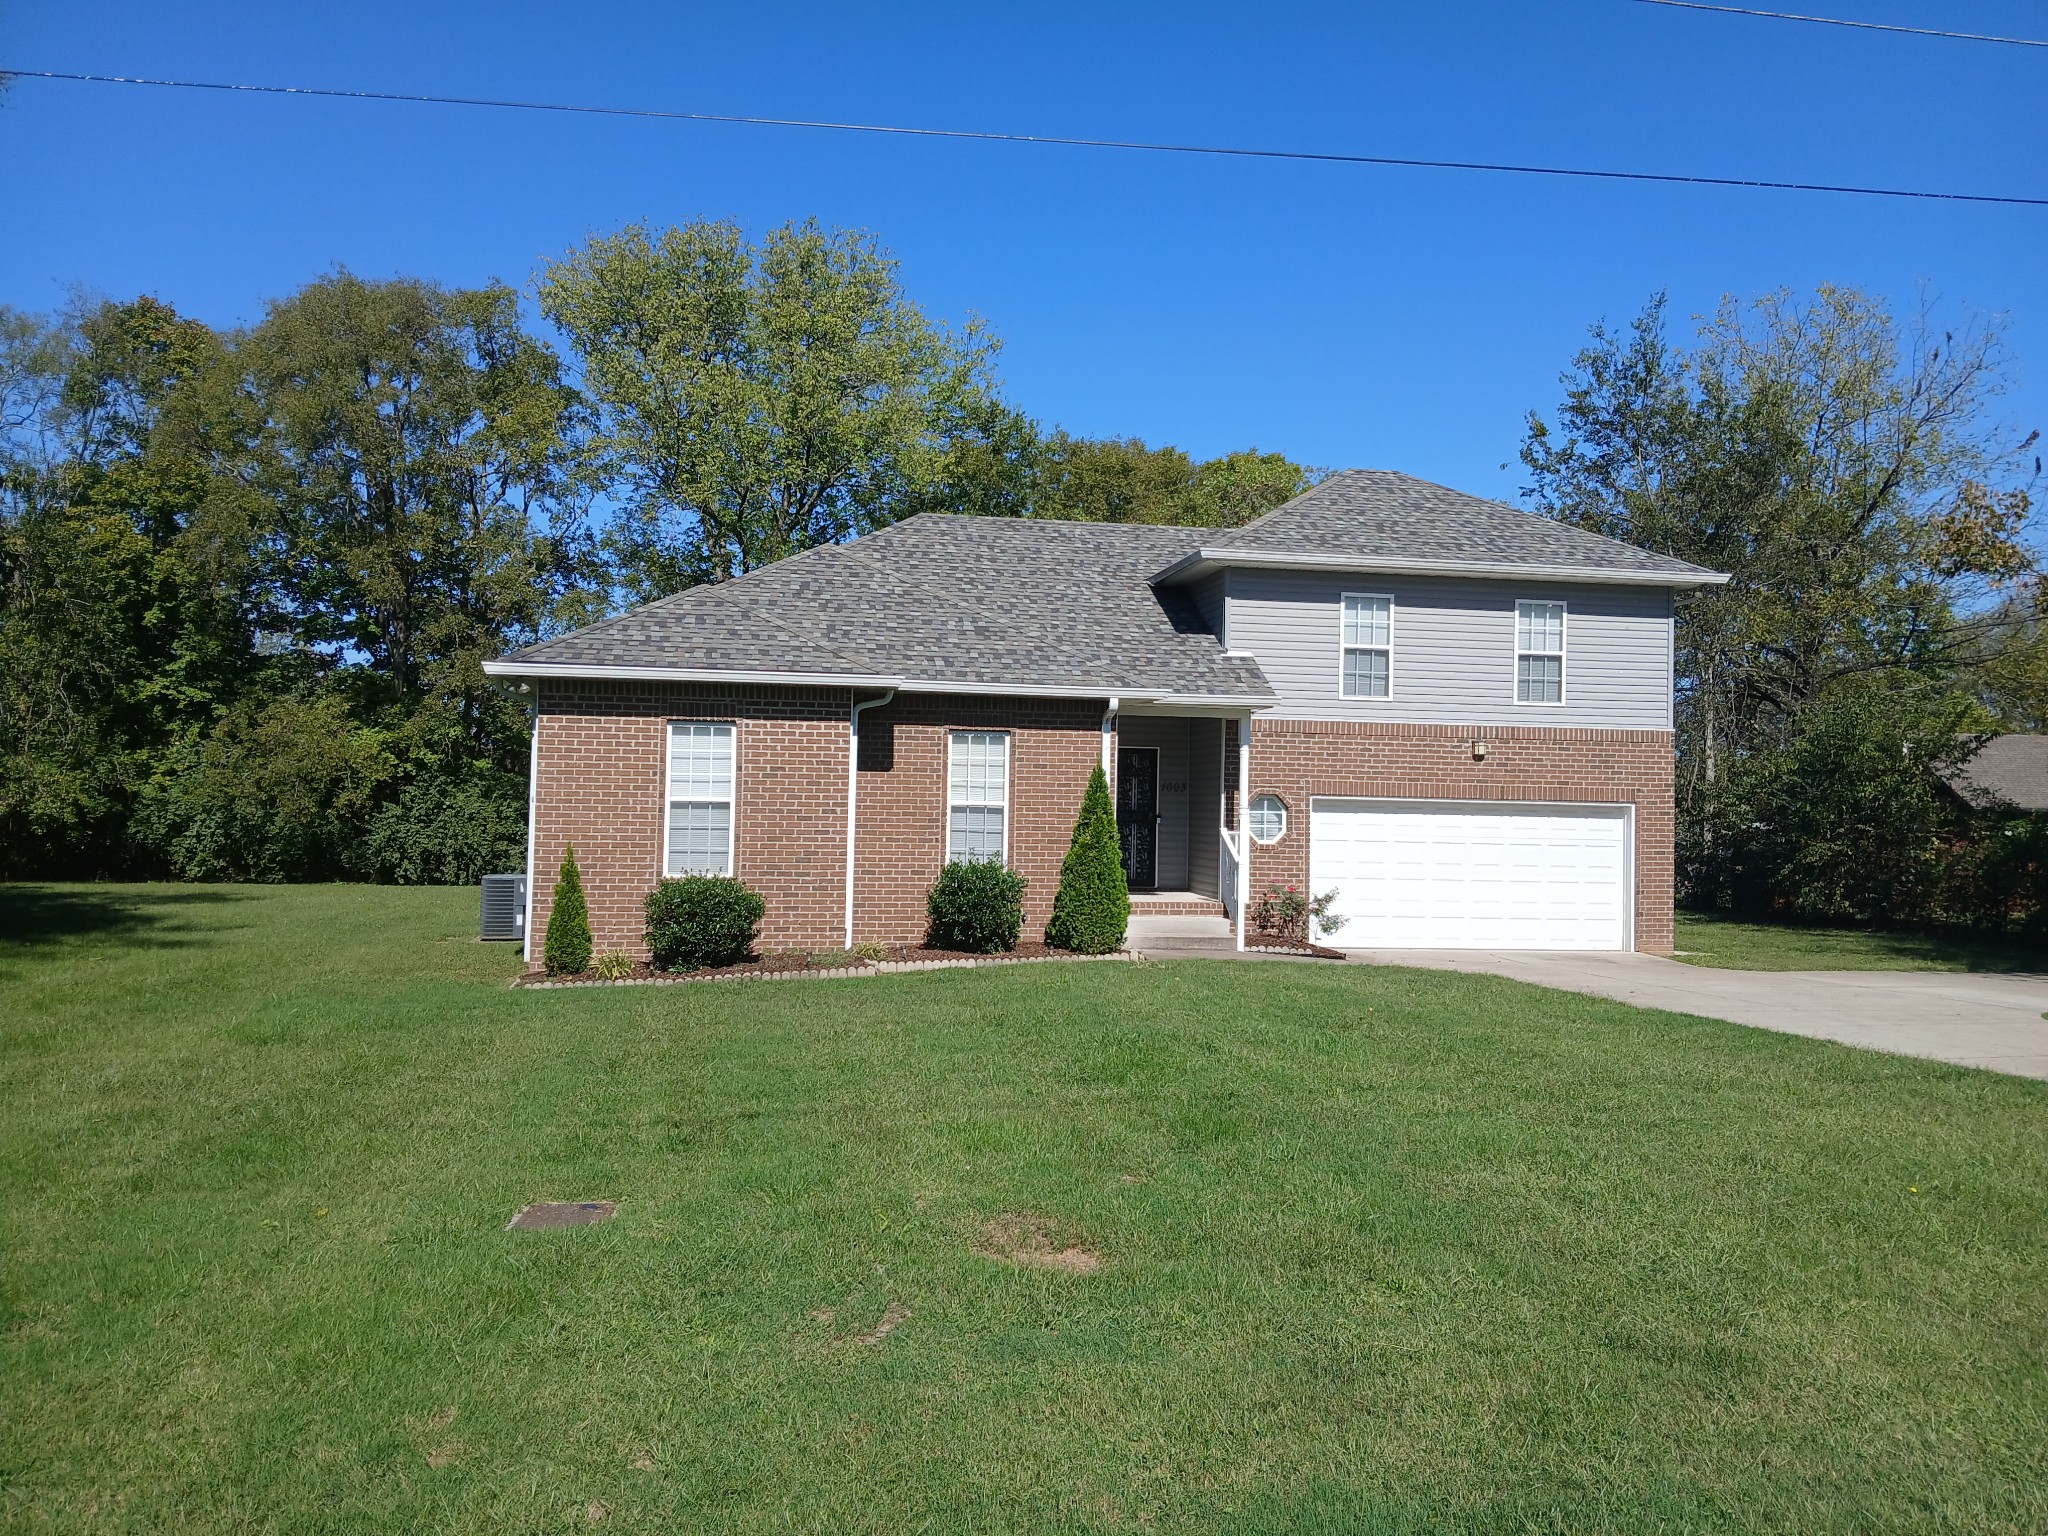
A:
[1290,913]
[702,920]
[1092,908]
[976,905]
[1851,476]
[757,400]
[614,965]
[448,829]
[566,950]
[1120,480]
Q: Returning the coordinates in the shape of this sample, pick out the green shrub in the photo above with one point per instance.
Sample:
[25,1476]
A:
[976,905]
[702,920]
[566,950]
[615,966]
[1093,907]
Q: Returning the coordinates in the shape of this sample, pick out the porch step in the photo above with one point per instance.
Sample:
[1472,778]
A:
[1177,930]
[1174,904]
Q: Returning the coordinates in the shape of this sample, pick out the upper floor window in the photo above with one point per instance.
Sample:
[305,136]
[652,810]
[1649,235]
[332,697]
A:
[1539,653]
[978,795]
[1368,646]
[699,799]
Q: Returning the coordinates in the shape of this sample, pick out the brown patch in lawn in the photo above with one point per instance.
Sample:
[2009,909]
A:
[894,1316]
[1035,1242]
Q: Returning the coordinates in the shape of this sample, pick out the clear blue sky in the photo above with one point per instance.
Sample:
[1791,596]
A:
[1346,316]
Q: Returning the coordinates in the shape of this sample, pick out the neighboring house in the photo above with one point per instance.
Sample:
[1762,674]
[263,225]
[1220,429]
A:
[1457,714]
[2005,773]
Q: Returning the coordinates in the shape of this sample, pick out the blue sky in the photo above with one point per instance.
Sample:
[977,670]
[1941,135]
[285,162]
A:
[1346,316]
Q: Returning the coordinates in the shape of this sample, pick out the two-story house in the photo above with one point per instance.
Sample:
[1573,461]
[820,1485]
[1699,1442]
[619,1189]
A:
[1456,714]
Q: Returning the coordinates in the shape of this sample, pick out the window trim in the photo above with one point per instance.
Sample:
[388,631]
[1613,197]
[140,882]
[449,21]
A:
[1563,644]
[1343,650]
[953,732]
[1286,817]
[668,801]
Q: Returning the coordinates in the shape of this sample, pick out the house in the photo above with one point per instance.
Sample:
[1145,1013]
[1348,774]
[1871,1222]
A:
[1455,713]
[2006,773]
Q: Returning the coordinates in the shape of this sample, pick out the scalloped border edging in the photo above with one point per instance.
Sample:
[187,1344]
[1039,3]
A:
[836,973]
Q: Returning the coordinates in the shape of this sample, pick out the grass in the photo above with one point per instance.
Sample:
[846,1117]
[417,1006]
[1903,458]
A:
[1706,938]
[1380,1250]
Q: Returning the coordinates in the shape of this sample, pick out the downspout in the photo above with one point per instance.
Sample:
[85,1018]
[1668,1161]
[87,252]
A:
[853,793]
[1108,736]
[1243,820]
[532,798]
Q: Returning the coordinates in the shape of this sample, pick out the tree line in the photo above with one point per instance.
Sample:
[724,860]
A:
[248,577]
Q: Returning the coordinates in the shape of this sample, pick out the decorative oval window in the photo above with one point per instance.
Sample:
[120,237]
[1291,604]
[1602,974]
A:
[1269,818]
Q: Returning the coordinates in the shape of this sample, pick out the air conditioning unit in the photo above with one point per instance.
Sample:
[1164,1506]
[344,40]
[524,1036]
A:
[504,915]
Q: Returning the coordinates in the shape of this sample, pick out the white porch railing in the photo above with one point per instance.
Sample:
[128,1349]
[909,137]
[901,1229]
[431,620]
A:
[1227,870]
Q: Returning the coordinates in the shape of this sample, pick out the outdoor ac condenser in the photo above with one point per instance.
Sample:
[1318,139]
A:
[504,915]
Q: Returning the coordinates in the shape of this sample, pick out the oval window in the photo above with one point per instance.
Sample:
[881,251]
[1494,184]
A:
[1269,818]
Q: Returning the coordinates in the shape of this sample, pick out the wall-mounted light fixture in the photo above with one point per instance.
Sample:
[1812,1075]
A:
[1478,751]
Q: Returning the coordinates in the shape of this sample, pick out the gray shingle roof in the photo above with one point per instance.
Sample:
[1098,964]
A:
[2006,770]
[1378,514]
[1005,602]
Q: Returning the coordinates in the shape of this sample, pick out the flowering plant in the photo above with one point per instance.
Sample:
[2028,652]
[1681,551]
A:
[1289,912]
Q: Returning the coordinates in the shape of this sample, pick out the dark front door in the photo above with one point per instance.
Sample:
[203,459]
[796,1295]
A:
[1137,815]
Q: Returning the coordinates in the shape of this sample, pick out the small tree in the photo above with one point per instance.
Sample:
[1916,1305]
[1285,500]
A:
[1093,907]
[566,951]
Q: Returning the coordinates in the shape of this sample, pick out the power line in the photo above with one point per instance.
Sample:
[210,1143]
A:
[1837,21]
[1028,138]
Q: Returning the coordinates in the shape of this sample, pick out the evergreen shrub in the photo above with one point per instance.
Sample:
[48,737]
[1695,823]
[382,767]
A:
[702,920]
[566,950]
[1093,908]
[976,905]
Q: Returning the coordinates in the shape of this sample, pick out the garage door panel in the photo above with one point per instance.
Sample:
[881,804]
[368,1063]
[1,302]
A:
[1440,875]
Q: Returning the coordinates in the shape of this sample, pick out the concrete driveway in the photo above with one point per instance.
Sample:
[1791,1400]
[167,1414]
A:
[1972,1020]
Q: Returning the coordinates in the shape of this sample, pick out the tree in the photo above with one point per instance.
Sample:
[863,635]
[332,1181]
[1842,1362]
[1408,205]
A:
[566,949]
[1092,908]
[1851,475]
[1120,480]
[758,400]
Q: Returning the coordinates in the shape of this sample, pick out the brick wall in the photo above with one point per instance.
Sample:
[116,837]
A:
[1295,759]
[602,753]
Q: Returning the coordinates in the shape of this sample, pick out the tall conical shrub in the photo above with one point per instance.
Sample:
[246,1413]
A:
[1093,907]
[566,951]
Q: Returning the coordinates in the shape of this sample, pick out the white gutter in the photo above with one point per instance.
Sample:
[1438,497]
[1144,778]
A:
[1202,559]
[532,800]
[853,795]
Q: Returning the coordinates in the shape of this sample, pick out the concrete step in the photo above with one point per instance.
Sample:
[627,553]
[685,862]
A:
[1149,928]
[1174,904]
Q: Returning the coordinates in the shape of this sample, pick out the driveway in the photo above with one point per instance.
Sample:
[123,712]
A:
[1970,1019]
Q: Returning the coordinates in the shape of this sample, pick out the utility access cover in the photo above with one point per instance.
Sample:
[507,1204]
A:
[564,1213]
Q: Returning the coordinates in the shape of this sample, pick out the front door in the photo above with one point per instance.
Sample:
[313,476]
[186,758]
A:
[1137,815]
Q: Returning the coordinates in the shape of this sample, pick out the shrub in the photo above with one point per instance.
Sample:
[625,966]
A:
[976,905]
[1093,907]
[614,966]
[1285,911]
[702,920]
[566,950]
[448,828]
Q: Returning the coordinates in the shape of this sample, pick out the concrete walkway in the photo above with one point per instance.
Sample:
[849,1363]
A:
[1970,1019]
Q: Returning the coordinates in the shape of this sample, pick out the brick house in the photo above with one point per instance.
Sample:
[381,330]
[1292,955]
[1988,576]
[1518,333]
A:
[1456,714]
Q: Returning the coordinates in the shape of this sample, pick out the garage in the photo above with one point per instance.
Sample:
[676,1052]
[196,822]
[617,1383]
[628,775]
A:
[1442,874]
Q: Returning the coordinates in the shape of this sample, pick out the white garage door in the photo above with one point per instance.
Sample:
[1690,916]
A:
[1422,874]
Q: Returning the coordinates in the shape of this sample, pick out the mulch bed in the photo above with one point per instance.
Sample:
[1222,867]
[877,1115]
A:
[794,963]
[1290,947]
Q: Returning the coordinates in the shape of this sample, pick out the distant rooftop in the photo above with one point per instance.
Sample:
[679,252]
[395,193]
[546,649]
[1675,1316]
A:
[2006,770]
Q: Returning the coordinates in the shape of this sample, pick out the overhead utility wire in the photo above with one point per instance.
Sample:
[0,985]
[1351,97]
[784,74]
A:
[1032,138]
[1838,21]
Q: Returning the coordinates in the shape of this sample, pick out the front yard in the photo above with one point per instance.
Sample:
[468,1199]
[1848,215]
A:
[1710,939]
[1200,1247]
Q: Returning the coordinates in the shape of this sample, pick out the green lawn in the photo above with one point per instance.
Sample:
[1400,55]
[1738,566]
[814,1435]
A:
[1382,1250]
[1706,938]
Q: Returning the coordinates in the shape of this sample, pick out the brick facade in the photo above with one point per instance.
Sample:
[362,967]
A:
[1295,759]
[601,753]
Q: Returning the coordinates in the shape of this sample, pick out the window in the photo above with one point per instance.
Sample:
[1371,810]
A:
[1368,646]
[699,799]
[1539,653]
[978,795]
[1269,818]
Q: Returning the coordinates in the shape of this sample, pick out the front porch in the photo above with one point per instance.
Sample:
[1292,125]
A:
[1175,782]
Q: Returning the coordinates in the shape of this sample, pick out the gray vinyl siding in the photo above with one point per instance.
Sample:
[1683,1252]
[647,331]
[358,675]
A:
[1205,804]
[1170,736]
[1454,649]
[1208,596]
